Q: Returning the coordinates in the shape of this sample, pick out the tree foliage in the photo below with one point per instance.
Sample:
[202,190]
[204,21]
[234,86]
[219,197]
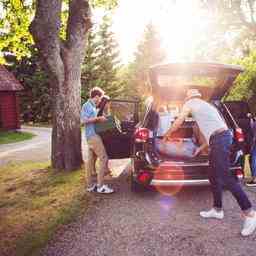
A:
[99,69]
[236,18]
[149,52]
[107,4]
[245,85]
[101,62]
[15,19]
[237,21]
[35,99]
[234,13]
[14,23]
[89,67]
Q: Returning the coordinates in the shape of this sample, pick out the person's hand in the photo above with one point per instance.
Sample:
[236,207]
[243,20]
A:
[249,115]
[197,152]
[101,119]
[166,137]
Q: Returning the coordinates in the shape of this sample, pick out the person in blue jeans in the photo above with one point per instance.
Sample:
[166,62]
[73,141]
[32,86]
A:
[252,156]
[219,140]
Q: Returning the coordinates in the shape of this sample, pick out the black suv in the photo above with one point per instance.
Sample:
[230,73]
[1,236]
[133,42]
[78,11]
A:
[136,139]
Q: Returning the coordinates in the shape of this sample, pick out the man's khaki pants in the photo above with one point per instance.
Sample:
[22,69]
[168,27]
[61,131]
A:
[96,150]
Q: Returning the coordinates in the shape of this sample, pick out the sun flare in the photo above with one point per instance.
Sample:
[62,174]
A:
[181,25]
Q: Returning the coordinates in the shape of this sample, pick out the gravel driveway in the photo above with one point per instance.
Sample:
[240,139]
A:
[153,223]
[146,224]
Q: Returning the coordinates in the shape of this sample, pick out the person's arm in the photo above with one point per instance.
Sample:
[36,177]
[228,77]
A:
[200,149]
[88,118]
[178,122]
[97,119]
[201,141]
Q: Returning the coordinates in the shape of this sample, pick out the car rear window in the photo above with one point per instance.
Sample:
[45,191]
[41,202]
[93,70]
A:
[167,80]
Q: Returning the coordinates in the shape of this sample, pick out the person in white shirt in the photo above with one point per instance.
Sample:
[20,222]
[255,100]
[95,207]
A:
[219,140]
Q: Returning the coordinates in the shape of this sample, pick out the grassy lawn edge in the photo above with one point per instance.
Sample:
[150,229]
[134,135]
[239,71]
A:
[35,202]
[7,137]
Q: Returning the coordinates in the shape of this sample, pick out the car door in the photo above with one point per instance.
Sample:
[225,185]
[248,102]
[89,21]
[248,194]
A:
[239,111]
[118,144]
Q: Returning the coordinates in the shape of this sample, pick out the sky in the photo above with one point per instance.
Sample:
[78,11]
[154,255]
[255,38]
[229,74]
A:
[180,25]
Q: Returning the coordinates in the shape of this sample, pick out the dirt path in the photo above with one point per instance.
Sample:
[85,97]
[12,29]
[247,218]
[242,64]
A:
[36,149]
[39,149]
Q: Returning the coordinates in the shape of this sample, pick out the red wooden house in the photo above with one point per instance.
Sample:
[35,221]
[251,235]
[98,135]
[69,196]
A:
[9,104]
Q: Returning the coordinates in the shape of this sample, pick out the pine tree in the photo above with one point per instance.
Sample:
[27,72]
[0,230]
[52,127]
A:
[108,59]
[149,52]
[89,67]
[101,63]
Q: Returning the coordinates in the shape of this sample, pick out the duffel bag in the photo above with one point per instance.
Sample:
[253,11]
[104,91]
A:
[177,148]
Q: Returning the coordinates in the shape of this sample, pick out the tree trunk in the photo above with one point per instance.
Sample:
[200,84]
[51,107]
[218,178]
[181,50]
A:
[63,59]
[66,134]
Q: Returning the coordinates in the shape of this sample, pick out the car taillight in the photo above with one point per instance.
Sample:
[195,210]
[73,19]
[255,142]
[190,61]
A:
[144,177]
[141,135]
[239,135]
[239,174]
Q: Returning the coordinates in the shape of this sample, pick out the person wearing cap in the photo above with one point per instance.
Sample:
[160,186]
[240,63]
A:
[96,147]
[219,140]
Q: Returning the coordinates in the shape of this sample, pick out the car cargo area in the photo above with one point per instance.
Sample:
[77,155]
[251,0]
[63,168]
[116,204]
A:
[187,161]
[182,144]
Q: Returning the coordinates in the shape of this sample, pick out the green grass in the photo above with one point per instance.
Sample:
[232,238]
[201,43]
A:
[35,201]
[14,136]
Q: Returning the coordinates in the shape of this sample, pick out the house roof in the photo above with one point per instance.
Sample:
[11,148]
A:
[8,82]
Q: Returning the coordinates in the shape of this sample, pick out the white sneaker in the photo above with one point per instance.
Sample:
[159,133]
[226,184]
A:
[212,214]
[105,189]
[249,226]
[92,188]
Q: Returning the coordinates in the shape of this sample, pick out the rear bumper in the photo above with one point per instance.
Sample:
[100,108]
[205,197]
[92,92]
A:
[199,182]
[188,182]
[170,173]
